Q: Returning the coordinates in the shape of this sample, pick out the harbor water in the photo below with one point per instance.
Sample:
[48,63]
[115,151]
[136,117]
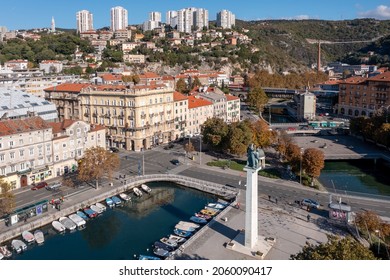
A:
[357,176]
[123,233]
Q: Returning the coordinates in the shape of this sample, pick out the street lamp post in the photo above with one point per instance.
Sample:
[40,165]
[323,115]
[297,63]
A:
[143,162]
[200,149]
[300,169]
[379,239]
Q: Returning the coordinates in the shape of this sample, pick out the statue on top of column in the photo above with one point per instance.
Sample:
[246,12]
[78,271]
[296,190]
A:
[253,156]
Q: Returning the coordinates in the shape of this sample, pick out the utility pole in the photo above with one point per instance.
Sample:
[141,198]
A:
[300,172]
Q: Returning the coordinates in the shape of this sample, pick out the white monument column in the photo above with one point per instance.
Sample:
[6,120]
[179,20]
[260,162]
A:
[251,209]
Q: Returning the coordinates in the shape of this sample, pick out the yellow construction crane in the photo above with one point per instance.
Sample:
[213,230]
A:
[320,42]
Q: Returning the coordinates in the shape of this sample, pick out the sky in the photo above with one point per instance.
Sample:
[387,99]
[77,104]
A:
[28,14]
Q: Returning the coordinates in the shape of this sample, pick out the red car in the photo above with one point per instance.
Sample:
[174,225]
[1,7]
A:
[38,186]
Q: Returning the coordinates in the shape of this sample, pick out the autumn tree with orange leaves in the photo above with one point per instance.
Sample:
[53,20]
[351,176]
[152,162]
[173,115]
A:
[262,136]
[313,161]
[96,164]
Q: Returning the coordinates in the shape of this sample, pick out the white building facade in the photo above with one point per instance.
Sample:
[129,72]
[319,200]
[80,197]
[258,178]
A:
[119,18]
[84,21]
[226,19]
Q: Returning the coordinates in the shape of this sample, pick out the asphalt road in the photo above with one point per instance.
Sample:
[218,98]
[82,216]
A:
[159,161]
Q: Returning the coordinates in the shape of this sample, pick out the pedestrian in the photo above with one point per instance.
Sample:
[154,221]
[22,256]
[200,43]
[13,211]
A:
[276,200]
[269,198]
[308,217]
[238,205]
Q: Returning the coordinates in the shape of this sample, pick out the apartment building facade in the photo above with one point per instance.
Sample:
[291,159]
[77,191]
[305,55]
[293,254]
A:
[181,114]
[199,110]
[33,150]
[119,18]
[360,96]
[84,21]
[136,117]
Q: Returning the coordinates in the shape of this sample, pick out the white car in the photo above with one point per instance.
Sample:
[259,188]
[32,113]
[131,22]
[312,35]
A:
[310,202]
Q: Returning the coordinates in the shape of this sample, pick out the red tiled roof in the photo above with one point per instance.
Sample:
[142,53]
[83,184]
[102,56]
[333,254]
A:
[354,80]
[231,97]
[148,75]
[385,76]
[15,126]
[61,126]
[67,87]
[111,77]
[194,102]
[177,96]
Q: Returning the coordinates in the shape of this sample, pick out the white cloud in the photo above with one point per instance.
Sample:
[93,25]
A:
[381,12]
[301,17]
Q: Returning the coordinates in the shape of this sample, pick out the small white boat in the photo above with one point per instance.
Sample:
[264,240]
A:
[189,224]
[184,228]
[124,196]
[80,222]
[137,192]
[109,202]
[97,209]
[58,226]
[18,245]
[217,206]
[39,237]
[168,241]
[145,188]
[101,205]
[178,239]
[5,252]
[28,236]
[68,223]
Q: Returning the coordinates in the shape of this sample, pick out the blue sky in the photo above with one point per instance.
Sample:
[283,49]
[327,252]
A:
[25,14]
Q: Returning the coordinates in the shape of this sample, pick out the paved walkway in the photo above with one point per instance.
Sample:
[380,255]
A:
[287,223]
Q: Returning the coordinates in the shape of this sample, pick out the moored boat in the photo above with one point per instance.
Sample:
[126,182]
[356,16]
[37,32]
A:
[28,236]
[109,202]
[82,215]
[208,212]
[164,246]
[176,238]
[146,257]
[18,245]
[169,242]
[198,220]
[145,188]
[90,213]
[96,209]
[39,236]
[185,228]
[203,216]
[137,192]
[124,196]
[116,200]
[160,252]
[182,233]
[5,252]
[58,226]
[68,223]
[80,222]
[189,224]
[101,206]
[217,206]
[212,209]
[1,256]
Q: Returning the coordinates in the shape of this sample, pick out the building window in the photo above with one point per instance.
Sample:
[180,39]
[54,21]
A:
[12,168]
[11,144]
[12,155]
[21,153]
[2,157]
[20,141]
[2,171]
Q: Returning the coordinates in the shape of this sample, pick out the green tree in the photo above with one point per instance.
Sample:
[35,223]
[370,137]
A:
[96,164]
[189,147]
[214,132]
[238,138]
[196,83]
[257,98]
[336,248]
[181,85]
[7,198]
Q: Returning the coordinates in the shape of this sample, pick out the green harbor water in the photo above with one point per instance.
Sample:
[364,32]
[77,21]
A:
[123,233]
[357,176]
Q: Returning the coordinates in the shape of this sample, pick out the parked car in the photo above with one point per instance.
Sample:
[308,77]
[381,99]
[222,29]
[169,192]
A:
[53,186]
[175,161]
[310,202]
[38,186]
[114,149]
